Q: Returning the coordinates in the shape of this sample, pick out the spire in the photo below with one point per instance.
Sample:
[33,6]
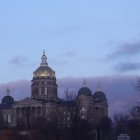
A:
[99,87]
[84,82]
[44,59]
[7,92]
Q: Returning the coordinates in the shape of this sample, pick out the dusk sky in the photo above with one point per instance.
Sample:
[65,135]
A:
[82,38]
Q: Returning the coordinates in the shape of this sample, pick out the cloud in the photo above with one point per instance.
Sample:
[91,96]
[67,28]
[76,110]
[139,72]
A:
[18,60]
[59,62]
[127,66]
[126,49]
[70,53]
[18,89]
[119,90]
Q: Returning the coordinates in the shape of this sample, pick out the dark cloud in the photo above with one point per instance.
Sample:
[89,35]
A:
[124,67]
[119,90]
[127,49]
[70,53]
[18,61]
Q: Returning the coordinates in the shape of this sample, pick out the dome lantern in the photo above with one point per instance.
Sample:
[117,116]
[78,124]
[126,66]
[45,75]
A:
[44,59]
[84,82]
[99,87]
[8,92]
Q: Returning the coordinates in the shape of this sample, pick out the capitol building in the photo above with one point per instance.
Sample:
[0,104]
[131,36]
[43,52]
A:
[45,102]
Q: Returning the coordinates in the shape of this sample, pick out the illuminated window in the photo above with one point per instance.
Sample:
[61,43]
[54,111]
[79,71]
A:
[9,118]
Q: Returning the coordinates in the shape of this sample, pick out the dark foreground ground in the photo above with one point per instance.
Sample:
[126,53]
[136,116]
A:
[9,134]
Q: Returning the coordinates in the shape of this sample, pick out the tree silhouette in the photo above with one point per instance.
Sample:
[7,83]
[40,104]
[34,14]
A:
[105,127]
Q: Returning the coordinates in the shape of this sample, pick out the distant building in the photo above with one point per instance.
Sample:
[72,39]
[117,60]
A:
[44,102]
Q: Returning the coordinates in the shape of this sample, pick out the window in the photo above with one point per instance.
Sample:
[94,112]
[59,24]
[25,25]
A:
[46,91]
[9,118]
[5,117]
[42,91]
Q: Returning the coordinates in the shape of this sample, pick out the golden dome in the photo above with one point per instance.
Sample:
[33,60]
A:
[44,70]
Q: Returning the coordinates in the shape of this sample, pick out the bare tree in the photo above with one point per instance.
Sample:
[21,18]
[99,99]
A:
[105,127]
[120,123]
[1,120]
[135,112]
[134,123]
[69,95]
[48,129]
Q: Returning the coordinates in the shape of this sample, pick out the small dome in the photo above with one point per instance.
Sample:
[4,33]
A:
[7,100]
[99,96]
[85,91]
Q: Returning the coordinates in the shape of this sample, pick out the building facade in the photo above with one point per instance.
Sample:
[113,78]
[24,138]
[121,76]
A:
[44,102]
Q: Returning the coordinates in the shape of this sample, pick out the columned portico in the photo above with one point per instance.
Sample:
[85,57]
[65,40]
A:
[26,111]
